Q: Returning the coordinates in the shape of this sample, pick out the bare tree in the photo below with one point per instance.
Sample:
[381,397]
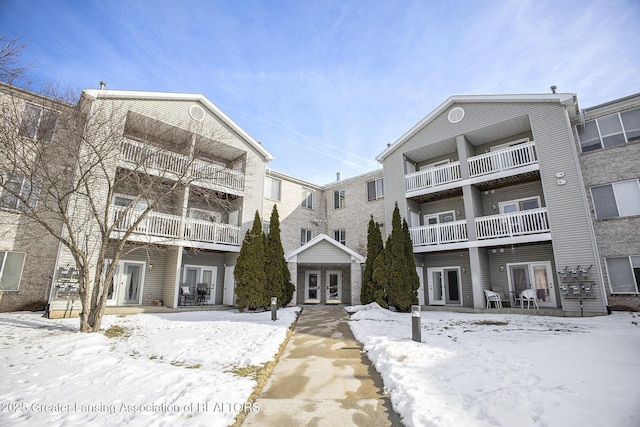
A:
[72,159]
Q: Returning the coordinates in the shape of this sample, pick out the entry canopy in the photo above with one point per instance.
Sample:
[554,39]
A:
[337,249]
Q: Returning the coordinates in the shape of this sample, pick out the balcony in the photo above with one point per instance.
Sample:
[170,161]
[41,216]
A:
[438,234]
[166,229]
[433,177]
[502,160]
[157,160]
[522,223]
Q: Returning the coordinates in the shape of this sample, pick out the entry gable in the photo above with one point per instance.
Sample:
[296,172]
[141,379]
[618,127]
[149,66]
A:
[323,249]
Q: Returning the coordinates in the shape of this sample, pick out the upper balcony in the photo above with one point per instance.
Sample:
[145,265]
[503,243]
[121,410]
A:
[169,229]
[529,225]
[495,164]
[162,162]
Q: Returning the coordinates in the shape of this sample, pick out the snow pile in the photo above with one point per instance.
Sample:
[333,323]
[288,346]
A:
[172,369]
[506,370]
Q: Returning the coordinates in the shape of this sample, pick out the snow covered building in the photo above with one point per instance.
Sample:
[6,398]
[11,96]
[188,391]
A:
[498,191]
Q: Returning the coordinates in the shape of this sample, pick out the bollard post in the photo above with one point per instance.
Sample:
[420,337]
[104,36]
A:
[416,332]
[274,308]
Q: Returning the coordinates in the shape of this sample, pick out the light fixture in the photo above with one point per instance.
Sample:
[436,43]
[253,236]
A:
[150,266]
[501,268]
[464,270]
[494,207]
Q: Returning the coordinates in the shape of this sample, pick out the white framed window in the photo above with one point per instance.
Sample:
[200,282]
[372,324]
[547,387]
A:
[519,204]
[272,188]
[617,199]
[435,164]
[338,198]
[439,218]
[340,236]
[609,131]
[38,123]
[307,198]
[266,226]
[305,235]
[375,189]
[11,265]
[15,190]
[624,274]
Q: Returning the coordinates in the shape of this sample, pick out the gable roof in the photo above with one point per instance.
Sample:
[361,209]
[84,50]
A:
[195,97]
[323,238]
[567,99]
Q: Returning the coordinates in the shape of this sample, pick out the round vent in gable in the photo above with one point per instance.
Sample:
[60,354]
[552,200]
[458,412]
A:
[197,113]
[456,114]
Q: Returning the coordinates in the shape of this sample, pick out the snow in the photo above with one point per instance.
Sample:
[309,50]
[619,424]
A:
[472,370]
[469,369]
[172,369]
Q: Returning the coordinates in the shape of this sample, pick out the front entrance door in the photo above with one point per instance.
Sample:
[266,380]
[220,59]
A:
[334,287]
[312,286]
[127,283]
[534,275]
[444,286]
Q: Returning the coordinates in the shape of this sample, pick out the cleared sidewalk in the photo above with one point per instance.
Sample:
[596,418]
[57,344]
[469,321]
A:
[323,379]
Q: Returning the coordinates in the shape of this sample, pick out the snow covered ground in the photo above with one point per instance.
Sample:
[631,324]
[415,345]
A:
[506,370]
[171,370]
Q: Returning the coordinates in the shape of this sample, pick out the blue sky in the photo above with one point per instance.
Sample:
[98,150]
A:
[326,85]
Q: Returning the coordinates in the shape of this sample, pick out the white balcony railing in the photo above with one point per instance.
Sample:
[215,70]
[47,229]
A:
[532,221]
[503,159]
[167,161]
[212,232]
[432,177]
[448,232]
[168,226]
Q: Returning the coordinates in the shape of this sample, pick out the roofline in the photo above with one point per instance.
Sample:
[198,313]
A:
[615,101]
[320,237]
[134,94]
[563,98]
[281,175]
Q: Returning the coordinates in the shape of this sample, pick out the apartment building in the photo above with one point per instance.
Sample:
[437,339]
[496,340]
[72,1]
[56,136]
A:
[501,192]
[27,250]
[495,198]
[324,232]
[607,143]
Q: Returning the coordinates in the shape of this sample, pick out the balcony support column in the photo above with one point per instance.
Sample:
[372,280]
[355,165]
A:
[471,198]
[461,146]
[476,277]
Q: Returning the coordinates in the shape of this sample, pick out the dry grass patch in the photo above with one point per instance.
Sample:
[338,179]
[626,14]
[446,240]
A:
[116,331]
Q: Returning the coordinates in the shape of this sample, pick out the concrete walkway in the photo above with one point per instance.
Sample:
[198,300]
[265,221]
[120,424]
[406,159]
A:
[323,379]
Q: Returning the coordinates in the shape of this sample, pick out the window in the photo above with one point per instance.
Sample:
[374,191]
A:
[375,189]
[305,236]
[624,274]
[266,226]
[38,123]
[520,205]
[307,198]
[609,131]
[617,199]
[340,236]
[17,189]
[338,198]
[272,188]
[11,264]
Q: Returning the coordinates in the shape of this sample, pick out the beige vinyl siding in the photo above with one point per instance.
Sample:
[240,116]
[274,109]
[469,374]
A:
[324,252]
[171,280]
[567,211]
[505,194]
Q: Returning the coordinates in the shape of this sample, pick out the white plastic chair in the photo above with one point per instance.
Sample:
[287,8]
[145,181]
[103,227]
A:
[529,295]
[492,297]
